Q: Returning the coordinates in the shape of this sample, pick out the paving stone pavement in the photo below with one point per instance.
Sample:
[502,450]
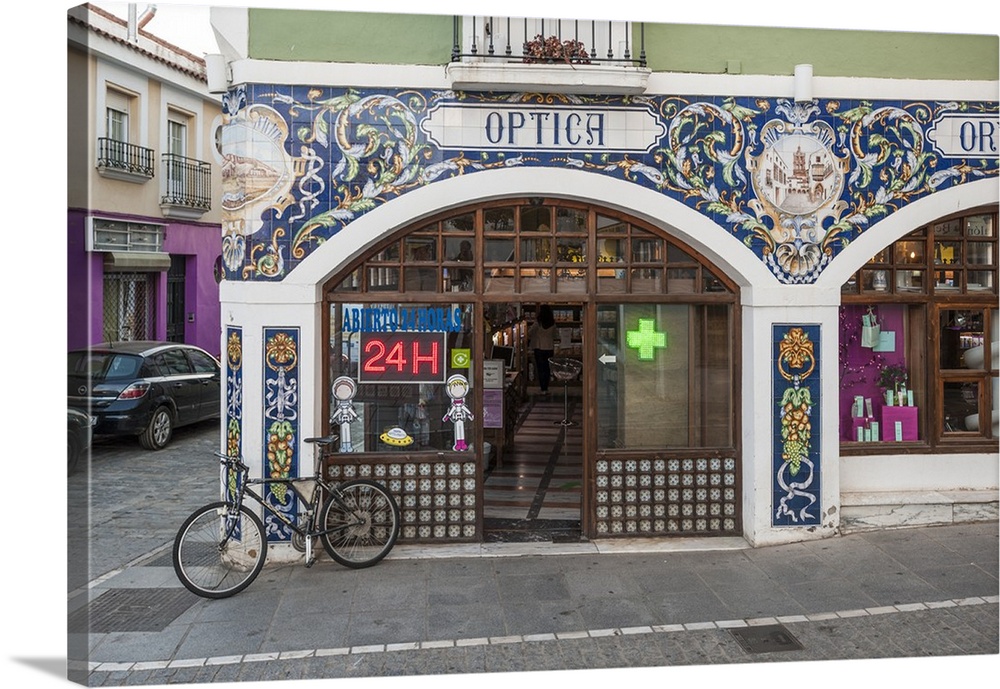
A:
[913,593]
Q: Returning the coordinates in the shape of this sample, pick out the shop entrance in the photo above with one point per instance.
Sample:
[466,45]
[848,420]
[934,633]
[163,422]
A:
[534,476]
[429,334]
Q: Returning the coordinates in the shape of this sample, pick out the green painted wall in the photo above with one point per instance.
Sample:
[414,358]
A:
[706,50]
[307,35]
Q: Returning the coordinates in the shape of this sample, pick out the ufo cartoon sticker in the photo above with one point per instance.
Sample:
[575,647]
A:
[396,437]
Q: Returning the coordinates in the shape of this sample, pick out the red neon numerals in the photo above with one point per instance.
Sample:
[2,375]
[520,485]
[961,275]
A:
[402,357]
[373,364]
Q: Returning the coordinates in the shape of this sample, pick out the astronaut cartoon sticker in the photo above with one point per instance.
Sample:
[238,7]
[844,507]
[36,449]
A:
[344,389]
[457,387]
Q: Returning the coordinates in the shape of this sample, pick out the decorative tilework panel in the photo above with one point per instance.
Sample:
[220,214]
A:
[437,500]
[234,391]
[796,437]
[795,182]
[647,497]
[281,424]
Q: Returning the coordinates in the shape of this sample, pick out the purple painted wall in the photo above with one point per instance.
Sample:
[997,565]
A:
[201,245]
[78,285]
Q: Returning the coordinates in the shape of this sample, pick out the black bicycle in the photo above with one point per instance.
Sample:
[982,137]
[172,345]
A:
[221,548]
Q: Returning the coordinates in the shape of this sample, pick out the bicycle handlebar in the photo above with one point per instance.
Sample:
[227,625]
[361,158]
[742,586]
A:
[231,459]
[239,463]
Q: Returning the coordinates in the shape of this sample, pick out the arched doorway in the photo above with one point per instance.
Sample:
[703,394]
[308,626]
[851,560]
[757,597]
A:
[652,430]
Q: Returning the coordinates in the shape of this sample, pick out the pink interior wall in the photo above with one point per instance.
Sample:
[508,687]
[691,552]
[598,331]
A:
[860,366]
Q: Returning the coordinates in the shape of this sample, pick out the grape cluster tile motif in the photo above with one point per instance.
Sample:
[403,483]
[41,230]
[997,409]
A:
[796,462]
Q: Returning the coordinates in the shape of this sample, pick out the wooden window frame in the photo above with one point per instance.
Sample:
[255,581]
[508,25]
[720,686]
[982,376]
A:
[923,349]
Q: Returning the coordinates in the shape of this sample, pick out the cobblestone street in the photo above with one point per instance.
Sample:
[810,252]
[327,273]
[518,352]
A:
[911,594]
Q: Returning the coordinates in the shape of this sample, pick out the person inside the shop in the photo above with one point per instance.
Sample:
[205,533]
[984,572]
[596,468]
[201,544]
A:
[463,276]
[541,339]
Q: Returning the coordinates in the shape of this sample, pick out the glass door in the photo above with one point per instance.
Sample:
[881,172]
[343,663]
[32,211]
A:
[534,478]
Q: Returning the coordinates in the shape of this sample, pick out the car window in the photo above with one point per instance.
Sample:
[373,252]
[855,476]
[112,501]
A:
[79,363]
[172,363]
[202,362]
[120,366]
[102,366]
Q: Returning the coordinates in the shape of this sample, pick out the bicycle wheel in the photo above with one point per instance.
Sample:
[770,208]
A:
[212,563]
[362,523]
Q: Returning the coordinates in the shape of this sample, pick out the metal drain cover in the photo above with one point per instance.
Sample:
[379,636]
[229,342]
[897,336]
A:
[768,638]
[132,610]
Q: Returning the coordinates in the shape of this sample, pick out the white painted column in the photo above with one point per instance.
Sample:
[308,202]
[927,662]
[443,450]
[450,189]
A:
[254,307]
[762,310]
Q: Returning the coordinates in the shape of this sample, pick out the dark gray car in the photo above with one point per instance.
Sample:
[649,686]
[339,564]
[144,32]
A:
[144,388]
[78,426]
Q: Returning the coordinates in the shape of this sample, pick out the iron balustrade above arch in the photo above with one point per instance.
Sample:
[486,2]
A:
[529,40]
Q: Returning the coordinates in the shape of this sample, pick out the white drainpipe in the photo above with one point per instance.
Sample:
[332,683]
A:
[134,23]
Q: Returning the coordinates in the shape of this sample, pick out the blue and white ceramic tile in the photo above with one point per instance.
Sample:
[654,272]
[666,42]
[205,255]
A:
[797,432]
[796,182]
[234,391]
[281,424]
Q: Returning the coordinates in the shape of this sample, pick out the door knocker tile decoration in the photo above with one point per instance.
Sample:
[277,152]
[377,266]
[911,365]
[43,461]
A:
[796,426]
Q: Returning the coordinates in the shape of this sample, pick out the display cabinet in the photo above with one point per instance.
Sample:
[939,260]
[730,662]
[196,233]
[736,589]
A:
[504,392]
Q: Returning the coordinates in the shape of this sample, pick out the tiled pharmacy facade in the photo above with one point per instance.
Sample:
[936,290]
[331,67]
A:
[775,205]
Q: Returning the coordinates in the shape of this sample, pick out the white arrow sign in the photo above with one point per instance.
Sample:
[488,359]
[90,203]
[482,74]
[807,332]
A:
[607,358]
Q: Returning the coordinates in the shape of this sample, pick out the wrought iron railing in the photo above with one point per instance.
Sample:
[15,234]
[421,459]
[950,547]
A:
[532,40]
[121,155]
[189,182]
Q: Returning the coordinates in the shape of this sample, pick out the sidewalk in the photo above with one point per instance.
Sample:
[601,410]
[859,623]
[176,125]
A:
[487,608]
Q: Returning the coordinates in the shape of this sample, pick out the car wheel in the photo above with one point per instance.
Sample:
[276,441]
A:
[158,432]
[73,453]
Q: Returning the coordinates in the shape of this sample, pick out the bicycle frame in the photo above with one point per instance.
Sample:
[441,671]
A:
[244,487]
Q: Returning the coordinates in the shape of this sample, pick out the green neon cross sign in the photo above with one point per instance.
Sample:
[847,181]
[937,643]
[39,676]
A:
[645,339]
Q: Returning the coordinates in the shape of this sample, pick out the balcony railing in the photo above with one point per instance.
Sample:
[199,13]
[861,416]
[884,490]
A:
[122,159]
[188,183]
[527,40]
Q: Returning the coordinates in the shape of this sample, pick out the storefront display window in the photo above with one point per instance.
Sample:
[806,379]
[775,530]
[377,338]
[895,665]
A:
[432,369]
[934,340]
[877,382]
[505,259]
[400,377]
[666,376]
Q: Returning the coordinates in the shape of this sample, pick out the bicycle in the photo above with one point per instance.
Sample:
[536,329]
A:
[221,548]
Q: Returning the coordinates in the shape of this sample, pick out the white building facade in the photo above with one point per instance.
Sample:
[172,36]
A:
[713,242]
